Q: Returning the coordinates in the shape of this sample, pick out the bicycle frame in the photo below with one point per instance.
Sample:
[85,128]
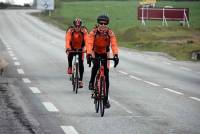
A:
[75,70]
[100,87]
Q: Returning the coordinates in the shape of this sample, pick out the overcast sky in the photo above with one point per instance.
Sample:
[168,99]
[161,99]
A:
[18,2]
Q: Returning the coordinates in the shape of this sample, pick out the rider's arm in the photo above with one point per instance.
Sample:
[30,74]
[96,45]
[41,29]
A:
[113,42]
[68,39]
[85,32]
[90,42]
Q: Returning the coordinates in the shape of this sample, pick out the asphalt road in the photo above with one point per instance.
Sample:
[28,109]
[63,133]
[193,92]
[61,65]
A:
[150,93]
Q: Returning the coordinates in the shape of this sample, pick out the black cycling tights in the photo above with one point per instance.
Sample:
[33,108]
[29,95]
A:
[81,66]
[96,66]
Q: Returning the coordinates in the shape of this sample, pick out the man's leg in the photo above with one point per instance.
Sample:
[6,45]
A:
[70,58]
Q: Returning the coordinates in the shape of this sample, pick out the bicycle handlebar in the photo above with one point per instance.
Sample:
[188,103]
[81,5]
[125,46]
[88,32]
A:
[102,59]
[75,51]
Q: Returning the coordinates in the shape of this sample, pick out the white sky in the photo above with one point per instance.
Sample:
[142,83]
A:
[18,2]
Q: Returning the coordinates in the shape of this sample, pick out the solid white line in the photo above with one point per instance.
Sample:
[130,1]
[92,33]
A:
[123,107]
[151,83]
[50,107]
[135,77]
[194,98]
[35,90]
[26,80]
[123,72]
[14,58]
[186,69]
[173,91]
[69,129]
[16,63]
[20,71]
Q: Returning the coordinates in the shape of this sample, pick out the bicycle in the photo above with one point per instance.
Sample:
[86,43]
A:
[100,87]
[75,70]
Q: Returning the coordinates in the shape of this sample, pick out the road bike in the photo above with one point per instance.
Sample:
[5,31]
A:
[75,69]
[99,93]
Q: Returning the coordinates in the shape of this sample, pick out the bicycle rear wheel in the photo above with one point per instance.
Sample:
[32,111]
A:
[102,96]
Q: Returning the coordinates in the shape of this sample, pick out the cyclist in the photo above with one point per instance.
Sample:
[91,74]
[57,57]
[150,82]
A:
[100,39]
[76,38]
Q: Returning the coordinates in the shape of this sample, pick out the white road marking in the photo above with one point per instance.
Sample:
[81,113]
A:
[152,59]
[69,129]
[151,83]
[14,58]
[10,51]
[16,63]
[186,69]
[123,107]
[20,71]
[166,63]
[11,54]
[8,48]
[194,98]
[173,91]
[134,77]
[35,90]
[50,107]
[123,72]
[26,80]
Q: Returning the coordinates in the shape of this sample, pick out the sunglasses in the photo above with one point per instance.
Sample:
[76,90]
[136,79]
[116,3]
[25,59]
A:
[103,23]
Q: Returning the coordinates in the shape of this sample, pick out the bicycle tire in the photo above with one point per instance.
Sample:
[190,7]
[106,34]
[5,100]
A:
[76,79]
[102,96]
[73,79]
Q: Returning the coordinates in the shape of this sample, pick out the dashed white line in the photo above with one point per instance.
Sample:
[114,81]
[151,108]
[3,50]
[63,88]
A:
[26,80]
[14,58]
[17,63]
[123,107]
[166,63]
[10,51]
[35,90]
[69,129]
[151,83]
[134,77]
[50,107]
[173,91]
[194,98]
[8,48]
[186,69]
[20,71]
[11,54]
[123,72]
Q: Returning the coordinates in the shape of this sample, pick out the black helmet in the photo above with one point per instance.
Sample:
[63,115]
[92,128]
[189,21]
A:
[103,18]
[77,22]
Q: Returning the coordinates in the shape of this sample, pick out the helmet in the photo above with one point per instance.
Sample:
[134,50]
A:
[77,22]
[103,18]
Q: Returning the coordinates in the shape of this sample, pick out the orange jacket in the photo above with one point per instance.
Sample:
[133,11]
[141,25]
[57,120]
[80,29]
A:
[75,40]
[99,43]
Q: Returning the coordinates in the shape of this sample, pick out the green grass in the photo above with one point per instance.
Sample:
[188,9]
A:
[175,40]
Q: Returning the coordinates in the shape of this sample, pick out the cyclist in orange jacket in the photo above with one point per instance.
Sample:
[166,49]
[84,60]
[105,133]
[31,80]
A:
[76,38]
[101,38]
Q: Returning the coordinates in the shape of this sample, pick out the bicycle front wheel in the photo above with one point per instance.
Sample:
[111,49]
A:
[102,96]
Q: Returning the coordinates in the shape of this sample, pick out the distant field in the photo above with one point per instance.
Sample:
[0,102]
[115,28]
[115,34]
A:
[174,39]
